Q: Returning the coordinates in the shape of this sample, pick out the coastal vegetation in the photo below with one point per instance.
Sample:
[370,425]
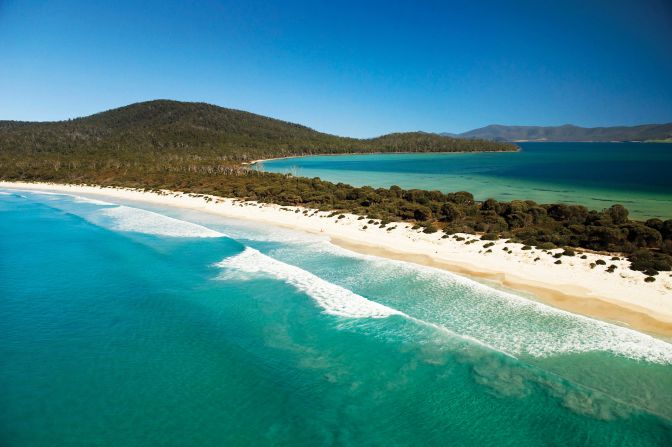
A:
[198,148]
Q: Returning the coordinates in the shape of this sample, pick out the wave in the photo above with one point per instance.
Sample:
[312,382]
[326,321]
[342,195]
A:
[515,324]
[504,321]
[260,233]
[334,299]
[78,199]
[136,220]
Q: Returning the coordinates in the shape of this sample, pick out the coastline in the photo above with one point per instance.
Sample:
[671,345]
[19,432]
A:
[621,297]
[261,160]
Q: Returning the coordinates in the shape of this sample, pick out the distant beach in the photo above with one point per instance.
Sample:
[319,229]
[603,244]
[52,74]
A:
[289,157]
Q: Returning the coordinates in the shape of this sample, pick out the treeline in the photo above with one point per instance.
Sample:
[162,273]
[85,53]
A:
[647,244]
[204,130]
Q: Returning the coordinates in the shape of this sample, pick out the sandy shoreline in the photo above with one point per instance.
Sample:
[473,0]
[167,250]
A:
[621,297]
[261,160]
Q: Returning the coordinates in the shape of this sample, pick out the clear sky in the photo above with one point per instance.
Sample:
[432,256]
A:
[357,68]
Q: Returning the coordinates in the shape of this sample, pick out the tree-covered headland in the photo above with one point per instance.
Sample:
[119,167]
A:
[200,148]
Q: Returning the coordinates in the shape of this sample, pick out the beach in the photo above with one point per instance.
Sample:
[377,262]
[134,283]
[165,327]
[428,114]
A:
[290,157]
[622,297]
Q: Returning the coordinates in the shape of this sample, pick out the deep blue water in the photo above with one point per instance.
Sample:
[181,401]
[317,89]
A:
[140,326]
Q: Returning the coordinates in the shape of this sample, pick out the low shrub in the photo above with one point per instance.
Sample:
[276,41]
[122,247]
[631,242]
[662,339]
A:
[430,229]
[643,259]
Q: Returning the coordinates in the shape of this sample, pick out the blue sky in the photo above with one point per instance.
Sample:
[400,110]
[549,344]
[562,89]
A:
[354,68]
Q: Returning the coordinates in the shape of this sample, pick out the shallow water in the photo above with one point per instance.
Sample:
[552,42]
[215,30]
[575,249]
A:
[596,175]
[138,325]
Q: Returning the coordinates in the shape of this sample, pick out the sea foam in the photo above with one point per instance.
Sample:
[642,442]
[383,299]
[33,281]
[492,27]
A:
[334,299]
[76,198]
[519,325]
[126,218]
[504,321]
[80,199]
[523,326]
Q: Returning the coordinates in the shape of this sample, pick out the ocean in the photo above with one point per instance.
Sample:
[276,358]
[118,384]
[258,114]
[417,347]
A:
[131,324]
[597,175]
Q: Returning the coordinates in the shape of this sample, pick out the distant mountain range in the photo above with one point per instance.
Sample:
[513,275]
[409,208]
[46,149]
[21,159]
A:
[568,132]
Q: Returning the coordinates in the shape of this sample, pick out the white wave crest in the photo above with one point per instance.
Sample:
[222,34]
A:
[259,233]
[515,324]
[80,199]
[499,319]
[334,299]
[126,218]
[76,198]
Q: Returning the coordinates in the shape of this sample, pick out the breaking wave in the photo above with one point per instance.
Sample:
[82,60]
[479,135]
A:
[335,300]
[80,199]
[507,322]
[136,220]
[76,198]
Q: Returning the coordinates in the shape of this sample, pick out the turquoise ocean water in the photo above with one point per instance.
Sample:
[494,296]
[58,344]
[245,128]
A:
[636,175]
[128,324]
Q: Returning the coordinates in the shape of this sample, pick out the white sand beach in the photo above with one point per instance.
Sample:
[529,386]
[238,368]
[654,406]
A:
[622,296]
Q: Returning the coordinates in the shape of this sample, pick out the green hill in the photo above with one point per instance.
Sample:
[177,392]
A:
[198,129]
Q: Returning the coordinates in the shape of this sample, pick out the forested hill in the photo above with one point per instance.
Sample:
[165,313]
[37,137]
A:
[646,132]
[197,129]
